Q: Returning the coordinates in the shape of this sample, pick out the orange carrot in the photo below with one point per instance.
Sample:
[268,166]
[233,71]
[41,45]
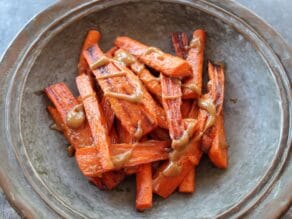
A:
[123,135]
[192,87]
[113,178]
[160,134]
[92,37]
[111,52]
[107,112]
[114,136]
[96,120]
[131,170]
[88,158]
[64,101]
[136,118]
[171,100]
[144,187]
[180,43]
[188,183]
[186,108]
[97,181]
[156,59]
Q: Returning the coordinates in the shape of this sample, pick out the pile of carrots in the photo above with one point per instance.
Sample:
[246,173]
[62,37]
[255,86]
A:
[143,111]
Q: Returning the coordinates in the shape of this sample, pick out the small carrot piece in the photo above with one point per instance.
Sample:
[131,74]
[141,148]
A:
[88,158]
[134,117]
[123,135]
[113,178]
[188,183]
[64,101]
[156,59]
[144,187]
[92,38]
[196,59]
[111,52]
[131,170]
[96,120]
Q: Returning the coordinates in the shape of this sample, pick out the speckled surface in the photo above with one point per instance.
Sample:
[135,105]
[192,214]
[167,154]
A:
[219,51]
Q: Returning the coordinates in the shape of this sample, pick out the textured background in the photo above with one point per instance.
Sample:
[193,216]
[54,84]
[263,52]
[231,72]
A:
[15,14]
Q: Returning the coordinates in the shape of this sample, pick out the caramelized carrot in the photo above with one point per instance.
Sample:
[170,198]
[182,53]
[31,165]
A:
[107,112]
[123,135]
[144,187]
[156,59]
[136,118]
[131,170]
[92,38]
[97,181]
[64,101]
[188,183]
[160,134]
[88,158]
[186,107]
[96,120]
[180,43]
[111,52]
[114,136]
[113,178]
[192,87]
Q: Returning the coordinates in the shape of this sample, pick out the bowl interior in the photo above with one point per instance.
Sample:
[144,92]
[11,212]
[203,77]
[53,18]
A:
[251,106]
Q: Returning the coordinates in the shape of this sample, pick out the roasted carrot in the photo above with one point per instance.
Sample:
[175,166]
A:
[160,134]
[188,183]
[186,107]
[144,187]
[165,184]
[92,37]
[125,93]
[171,100]
[156,59]
[131,170]
[114,136]
[88,158]
[96,120]
[123,135]
[97,181]
[192,87]
[180,43]
[111,52]
[107,112]
[64,101]
[113,178]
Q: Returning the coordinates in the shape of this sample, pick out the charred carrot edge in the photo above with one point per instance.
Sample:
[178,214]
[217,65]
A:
[64,101]
[97,181]
[180,43]
[158,60]
[111,52]
[131,170]
[96,120]
[144,187]
[129,113]
[165,185]
[89,163]
[188,183]
[92,37]
[114,136]
[171,100]
[107,112]
[113,178]
[196,59]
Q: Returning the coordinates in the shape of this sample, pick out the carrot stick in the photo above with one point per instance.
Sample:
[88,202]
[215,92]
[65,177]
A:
[136,118]
[123,135]
[180,43]
[96,120]
[88,158]
[64,101]
[111,52]
[57,118]
[160,134]
[188,183]
[171,100]
[92,37]
[218,152]
[156,59]
[107,112]
[131,170]
[114,136]
[192,87]
[144,187]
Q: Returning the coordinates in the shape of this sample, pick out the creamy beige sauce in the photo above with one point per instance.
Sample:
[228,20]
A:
[121,159]
[208,105]
[88,95]
[153,50]
[172,169]
[139,131]
[75,117]
[135,98]
[100,62]
[138,68]
[55,127]
[195,43]
[118,74]
[124,57]
[171,97]
[192,87]
[178,144]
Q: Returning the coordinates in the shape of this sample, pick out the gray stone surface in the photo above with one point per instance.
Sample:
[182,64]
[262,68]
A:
[14,14]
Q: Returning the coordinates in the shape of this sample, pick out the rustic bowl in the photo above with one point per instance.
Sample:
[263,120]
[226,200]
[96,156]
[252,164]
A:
[40,180]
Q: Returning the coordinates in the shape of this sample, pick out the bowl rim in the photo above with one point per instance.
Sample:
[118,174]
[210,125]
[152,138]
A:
[23,42]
